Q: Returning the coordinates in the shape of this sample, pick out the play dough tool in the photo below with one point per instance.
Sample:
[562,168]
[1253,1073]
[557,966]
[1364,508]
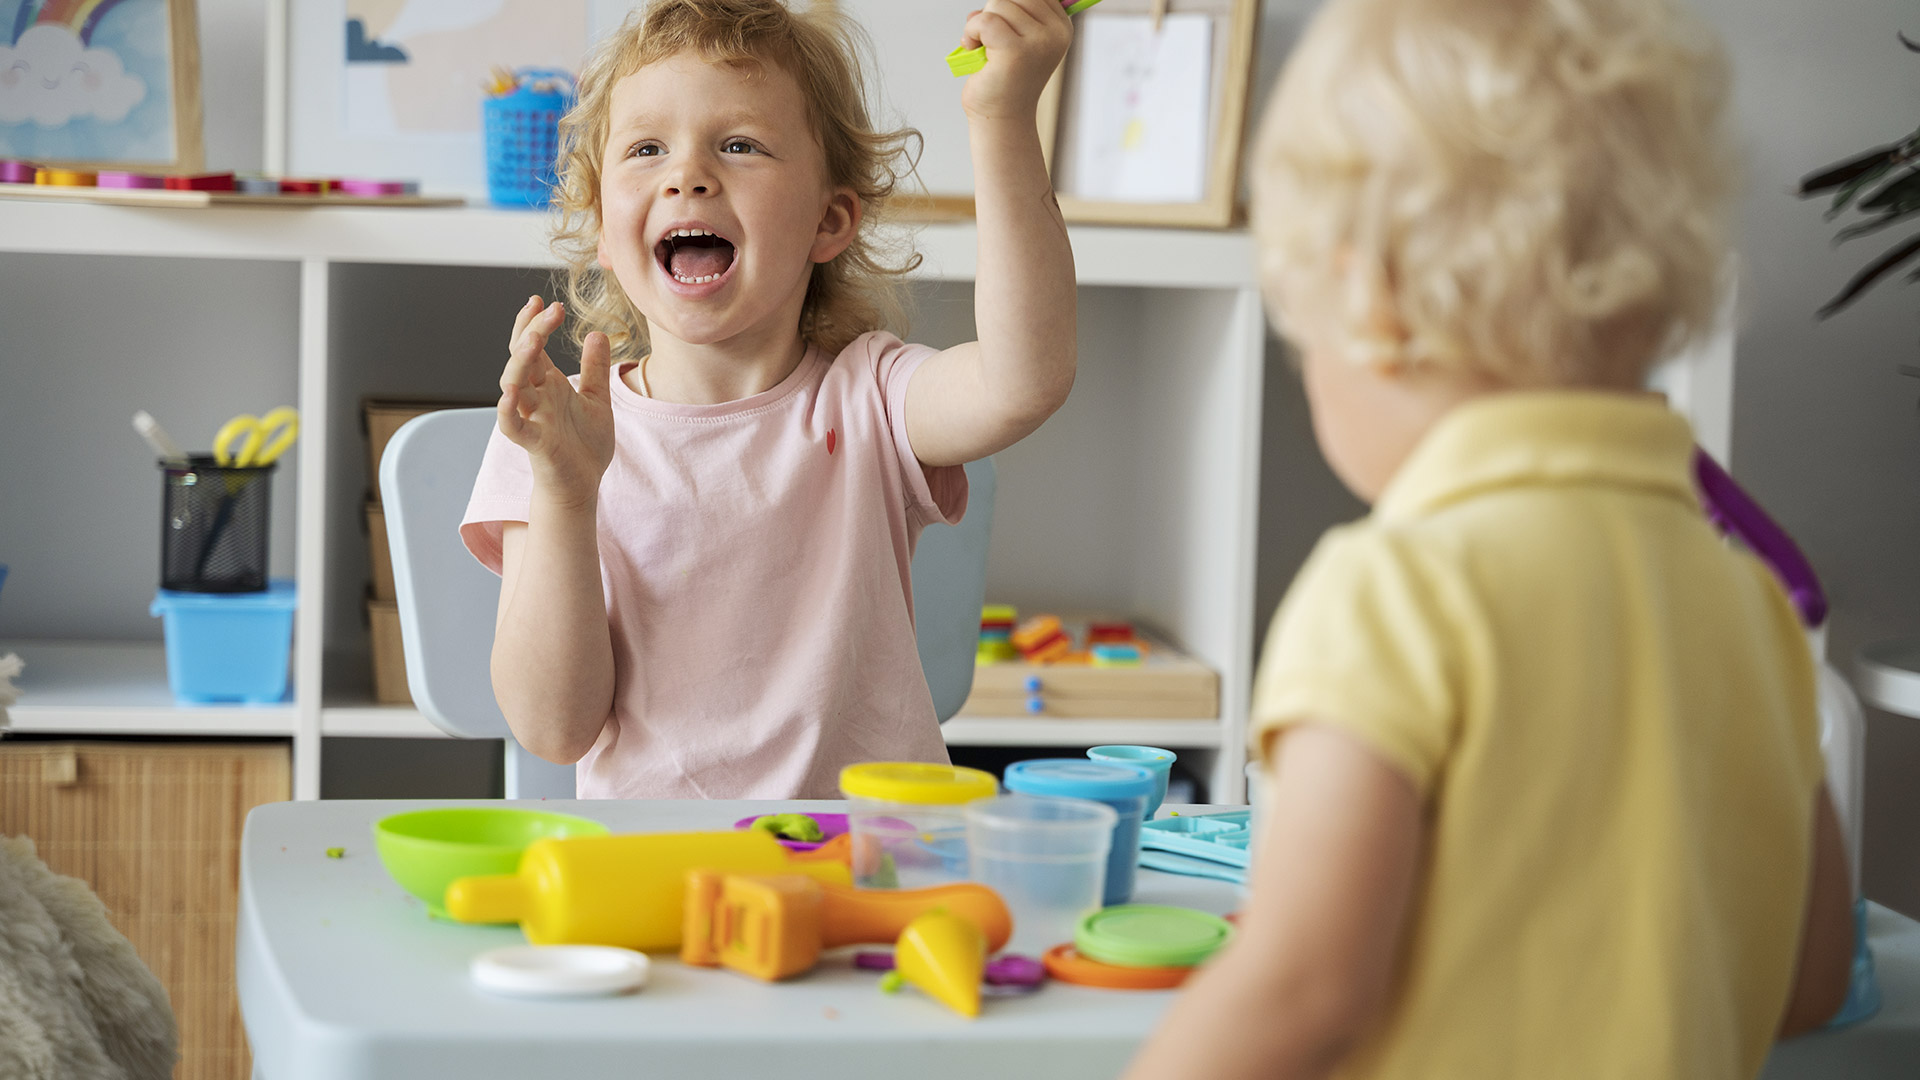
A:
[628,891]
[945,956]
[774,927]
[965,61]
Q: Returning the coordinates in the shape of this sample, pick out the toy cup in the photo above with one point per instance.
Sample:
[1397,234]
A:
[1119,785]
[1046,857]
[1151,758]
[907,821]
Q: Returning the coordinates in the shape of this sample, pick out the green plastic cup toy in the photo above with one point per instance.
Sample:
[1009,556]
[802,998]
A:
[428,850]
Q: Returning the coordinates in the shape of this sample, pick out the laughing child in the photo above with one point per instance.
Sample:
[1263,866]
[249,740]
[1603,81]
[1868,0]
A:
[705,537]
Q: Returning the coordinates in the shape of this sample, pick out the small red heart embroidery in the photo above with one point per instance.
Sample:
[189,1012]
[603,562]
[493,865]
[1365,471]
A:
[830,440]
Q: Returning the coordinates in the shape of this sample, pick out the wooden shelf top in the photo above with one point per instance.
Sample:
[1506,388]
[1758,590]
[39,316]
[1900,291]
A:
[120,688]
[487,236]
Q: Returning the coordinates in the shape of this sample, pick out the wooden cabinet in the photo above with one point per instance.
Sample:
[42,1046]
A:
[154,829]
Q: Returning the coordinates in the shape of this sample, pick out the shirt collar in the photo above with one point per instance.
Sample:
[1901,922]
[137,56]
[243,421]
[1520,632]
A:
[1545,437]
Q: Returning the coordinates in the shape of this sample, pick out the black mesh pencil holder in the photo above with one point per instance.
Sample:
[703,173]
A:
[213,527]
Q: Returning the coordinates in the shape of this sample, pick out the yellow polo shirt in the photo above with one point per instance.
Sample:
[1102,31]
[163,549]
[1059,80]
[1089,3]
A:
[1611,718]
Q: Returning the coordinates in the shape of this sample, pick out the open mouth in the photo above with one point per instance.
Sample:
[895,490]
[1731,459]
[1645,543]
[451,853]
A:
[694,256]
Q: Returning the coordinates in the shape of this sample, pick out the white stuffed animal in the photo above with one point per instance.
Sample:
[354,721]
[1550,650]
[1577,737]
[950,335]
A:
[76,1003]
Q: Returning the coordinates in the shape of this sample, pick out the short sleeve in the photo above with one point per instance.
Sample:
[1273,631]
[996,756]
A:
[502,492]
[934,494]
[1362,644]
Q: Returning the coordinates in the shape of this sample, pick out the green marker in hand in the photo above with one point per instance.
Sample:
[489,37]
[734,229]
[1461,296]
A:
[965,61]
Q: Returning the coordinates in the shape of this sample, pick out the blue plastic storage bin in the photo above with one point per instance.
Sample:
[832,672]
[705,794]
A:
[228,647]
[523,139]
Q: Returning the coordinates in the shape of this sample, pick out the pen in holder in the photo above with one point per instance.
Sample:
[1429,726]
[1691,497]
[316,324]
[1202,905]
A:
[214,523]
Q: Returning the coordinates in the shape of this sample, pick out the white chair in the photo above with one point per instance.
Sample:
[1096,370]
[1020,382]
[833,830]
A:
[447,600]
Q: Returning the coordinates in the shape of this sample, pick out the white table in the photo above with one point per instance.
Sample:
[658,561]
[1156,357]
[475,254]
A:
[342,975]
[1887,676]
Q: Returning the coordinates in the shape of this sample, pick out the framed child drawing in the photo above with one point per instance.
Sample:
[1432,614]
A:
[1150,111]
[101,84]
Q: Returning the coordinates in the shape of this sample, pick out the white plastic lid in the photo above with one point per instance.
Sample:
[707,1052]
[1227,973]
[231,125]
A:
[559,970]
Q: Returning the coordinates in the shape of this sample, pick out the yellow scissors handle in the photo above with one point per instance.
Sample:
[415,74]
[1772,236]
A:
[262,438]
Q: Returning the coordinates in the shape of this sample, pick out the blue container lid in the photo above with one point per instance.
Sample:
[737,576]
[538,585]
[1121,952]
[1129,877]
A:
[1078,778]
[277,596]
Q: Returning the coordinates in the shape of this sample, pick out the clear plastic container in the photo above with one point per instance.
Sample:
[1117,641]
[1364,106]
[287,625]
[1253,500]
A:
[908,821]
[1125,788]
[1047,858]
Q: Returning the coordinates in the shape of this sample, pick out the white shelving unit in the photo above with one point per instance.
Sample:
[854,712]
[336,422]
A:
[1139,497]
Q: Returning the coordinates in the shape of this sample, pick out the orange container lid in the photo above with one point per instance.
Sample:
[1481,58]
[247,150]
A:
[1065,963]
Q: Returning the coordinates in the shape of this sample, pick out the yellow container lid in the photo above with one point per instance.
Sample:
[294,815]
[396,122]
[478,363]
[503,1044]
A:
[917,782]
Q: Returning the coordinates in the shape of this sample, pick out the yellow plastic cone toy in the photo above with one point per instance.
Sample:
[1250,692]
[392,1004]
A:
[945,956]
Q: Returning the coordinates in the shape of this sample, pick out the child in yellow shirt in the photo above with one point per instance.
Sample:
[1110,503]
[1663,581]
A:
[1544,789]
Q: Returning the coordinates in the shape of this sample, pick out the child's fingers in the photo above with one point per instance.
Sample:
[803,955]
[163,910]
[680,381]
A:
[527,363]
[507,415]
[1016,14]
[525,315]
[596,364]
[989,29]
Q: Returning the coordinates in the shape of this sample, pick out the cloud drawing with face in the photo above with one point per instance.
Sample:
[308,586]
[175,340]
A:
[50,77]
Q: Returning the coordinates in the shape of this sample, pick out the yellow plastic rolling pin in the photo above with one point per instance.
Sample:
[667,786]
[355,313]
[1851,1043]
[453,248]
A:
[628,891]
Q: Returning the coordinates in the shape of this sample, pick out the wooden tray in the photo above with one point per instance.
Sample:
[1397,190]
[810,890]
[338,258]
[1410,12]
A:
[1169,686]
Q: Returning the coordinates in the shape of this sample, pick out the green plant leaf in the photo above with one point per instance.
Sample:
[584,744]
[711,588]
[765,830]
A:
[1904,190]
[1874,225]
[1874,161]
[1881,267]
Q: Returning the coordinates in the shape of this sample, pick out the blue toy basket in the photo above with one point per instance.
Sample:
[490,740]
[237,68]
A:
[523,138]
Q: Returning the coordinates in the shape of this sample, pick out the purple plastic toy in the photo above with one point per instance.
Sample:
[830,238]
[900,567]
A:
[1008,970]
[1734,512]
[831,825]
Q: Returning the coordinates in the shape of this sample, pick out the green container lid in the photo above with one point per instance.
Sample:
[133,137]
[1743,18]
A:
[1150,935]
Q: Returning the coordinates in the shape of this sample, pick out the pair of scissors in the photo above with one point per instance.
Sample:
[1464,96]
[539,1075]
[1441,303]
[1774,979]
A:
[262,439]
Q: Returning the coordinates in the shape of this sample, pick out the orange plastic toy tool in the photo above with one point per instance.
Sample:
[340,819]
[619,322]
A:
[774,927]
[624,890]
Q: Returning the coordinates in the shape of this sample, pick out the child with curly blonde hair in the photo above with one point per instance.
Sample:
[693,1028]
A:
[1543,786]
[705,537]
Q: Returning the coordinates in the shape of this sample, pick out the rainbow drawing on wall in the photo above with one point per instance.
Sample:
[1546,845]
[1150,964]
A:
[86,80]
[79,16]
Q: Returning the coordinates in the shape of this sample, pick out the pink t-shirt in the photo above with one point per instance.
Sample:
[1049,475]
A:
[756,559]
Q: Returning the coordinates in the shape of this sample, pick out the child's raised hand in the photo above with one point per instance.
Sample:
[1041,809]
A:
[1025,41]
[568,433]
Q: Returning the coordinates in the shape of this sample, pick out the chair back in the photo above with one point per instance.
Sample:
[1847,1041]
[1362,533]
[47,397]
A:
[448,601]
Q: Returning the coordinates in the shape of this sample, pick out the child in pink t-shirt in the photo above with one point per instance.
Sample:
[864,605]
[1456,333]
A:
[705,537]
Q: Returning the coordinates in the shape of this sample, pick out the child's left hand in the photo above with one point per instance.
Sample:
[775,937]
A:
[1025,41]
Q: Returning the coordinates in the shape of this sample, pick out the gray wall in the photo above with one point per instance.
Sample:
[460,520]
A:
[1825,430]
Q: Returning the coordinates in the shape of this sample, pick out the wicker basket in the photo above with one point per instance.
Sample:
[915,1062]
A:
[154,829]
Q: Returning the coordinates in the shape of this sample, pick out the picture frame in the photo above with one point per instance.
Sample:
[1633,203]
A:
[128,93]
[418,118]
[1083,118]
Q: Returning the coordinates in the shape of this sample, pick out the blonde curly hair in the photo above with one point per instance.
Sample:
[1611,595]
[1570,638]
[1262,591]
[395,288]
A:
[858,290]
[1540,186]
